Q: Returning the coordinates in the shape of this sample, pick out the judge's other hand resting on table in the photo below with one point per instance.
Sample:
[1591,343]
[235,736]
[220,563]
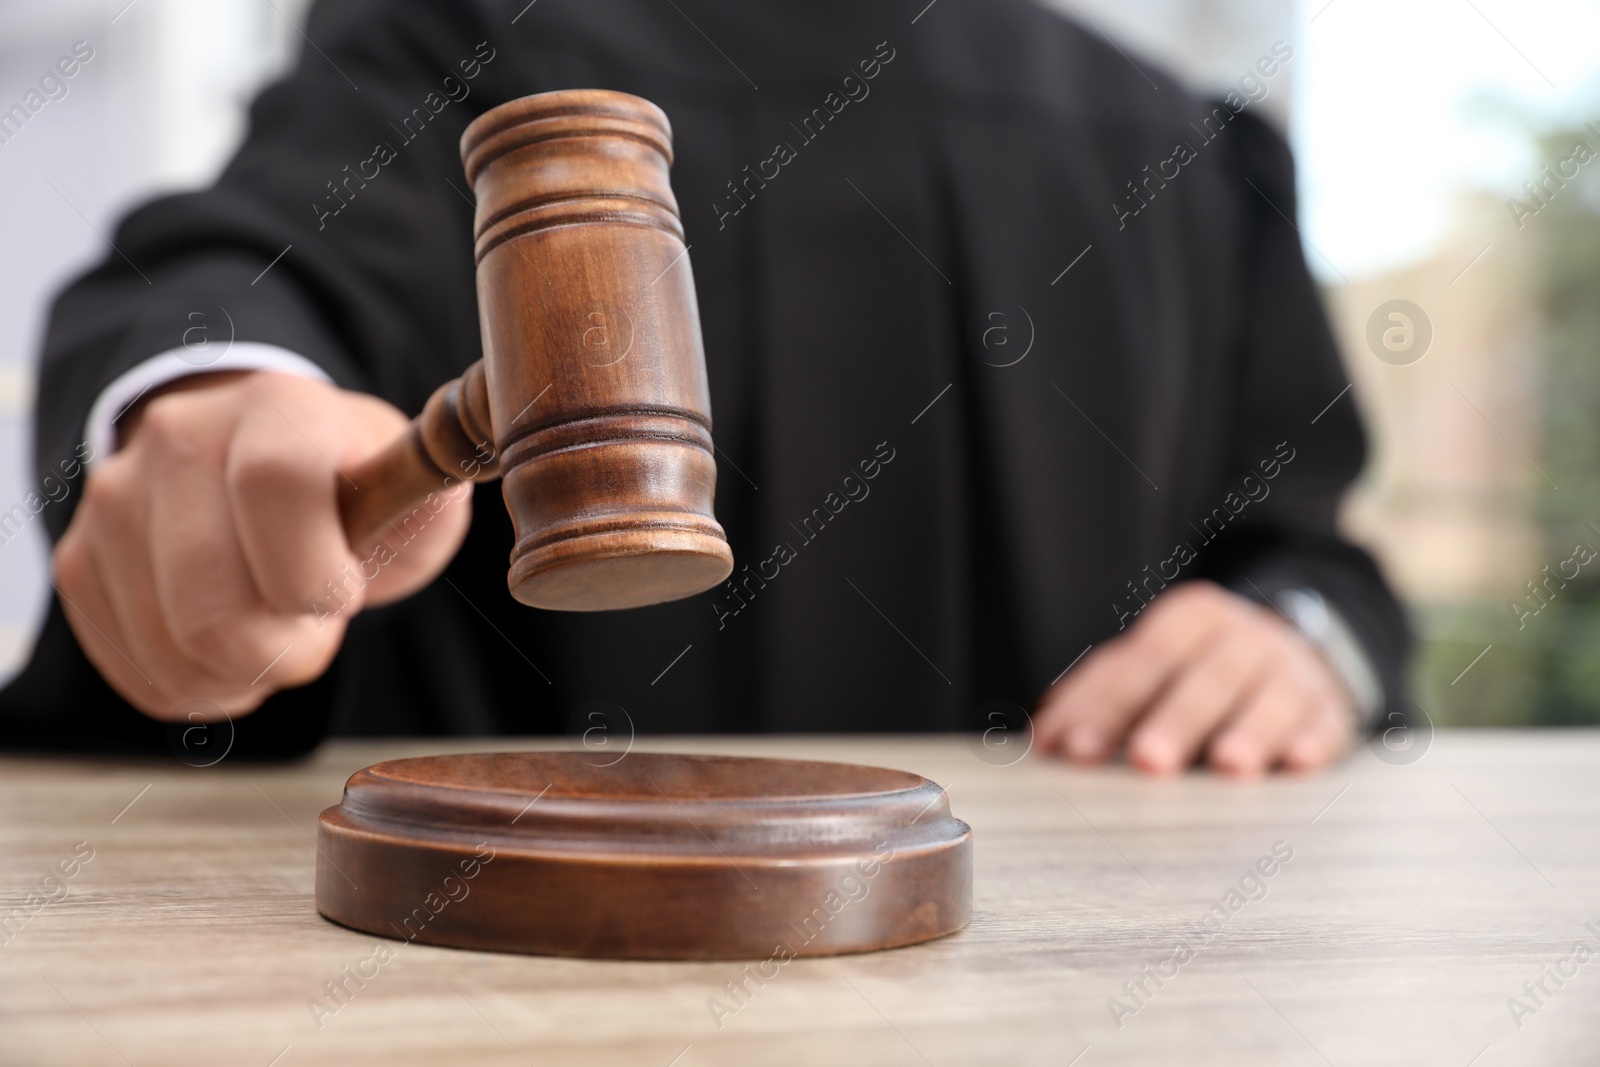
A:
[1203,670]
[197,566]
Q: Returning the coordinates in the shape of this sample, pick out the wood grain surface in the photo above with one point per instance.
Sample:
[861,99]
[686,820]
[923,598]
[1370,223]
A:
[1417,900]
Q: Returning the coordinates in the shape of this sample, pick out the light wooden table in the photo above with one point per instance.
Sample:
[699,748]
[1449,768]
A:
[1418,900]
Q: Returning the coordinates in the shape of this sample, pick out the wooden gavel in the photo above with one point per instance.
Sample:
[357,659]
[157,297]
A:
[591,400]
[591,403]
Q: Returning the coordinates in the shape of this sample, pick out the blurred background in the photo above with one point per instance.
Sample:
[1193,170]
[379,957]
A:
[1449,155]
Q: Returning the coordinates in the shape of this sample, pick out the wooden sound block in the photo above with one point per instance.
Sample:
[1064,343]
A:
[654,856]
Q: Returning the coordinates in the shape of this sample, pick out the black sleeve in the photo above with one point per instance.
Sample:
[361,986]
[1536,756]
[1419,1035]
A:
[341,230]
[1294,398]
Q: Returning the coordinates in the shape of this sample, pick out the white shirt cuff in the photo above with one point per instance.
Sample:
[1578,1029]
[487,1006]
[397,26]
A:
[1326,628]
[101,429]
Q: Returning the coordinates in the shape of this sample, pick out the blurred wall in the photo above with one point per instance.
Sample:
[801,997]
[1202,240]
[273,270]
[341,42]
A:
[1423,125]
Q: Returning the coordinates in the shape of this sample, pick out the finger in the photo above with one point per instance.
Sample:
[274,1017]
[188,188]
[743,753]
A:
[1063,705]
[94,624]
[282,490]
[418,546]
[1178,631]
[1254,739]
[112,520]
[1052,716]
[1215,684]
[1089,715]
[1086,716]
[1327,736]
[208,598]
[415,547]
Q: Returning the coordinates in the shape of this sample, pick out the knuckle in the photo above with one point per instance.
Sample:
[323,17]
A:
[1200,595]
[113,514]
[70,563]
[1172,602]
[1218,679]
[1160,645]
[268,387]
[262,473]
[1242,649]
[165,425]
[1269,619]
[1237,610]
[104,494]
[212,641]
[1187,609]
[1321,682]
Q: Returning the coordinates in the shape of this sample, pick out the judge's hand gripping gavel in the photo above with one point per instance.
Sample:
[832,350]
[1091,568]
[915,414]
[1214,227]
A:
[220,553]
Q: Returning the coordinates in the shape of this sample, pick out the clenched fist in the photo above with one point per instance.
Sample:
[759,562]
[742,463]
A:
[206,560]
[1205,671]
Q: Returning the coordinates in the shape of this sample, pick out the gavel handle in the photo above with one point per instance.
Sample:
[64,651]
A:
[450,442]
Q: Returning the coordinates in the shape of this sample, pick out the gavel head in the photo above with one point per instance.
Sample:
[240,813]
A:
[596,381]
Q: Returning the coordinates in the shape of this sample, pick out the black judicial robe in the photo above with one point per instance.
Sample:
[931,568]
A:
[1052,303]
